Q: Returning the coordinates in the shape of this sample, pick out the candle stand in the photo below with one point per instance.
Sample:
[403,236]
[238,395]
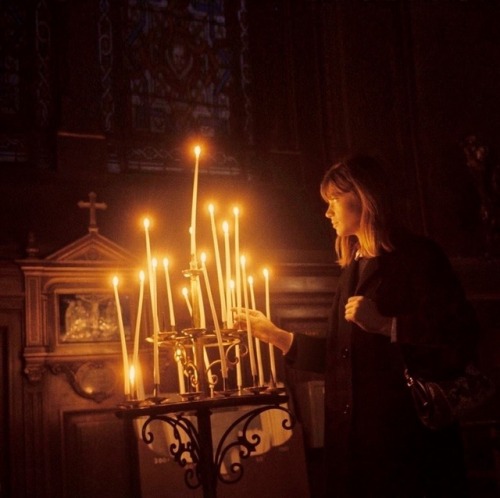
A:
[194,442]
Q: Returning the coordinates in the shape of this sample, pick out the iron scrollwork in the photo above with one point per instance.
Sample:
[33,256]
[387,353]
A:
[187,450]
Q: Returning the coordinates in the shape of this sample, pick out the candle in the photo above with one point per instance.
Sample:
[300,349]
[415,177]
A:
[156,325]
[185,293]
[218,264]
[203,321]
[152,294]
[197,151]
[239,378]
[135,357]
[225,229]
[260,367]
[214,316]
[268,314]
[126,371]
[180,369]
[252,293]
[249,331]
[236,212]
[131,376]
[169,295]
[233,293]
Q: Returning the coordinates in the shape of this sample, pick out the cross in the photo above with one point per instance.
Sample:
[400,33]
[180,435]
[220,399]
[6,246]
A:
[92,206]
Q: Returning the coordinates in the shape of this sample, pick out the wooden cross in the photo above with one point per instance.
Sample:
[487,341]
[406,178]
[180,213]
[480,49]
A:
[92,206]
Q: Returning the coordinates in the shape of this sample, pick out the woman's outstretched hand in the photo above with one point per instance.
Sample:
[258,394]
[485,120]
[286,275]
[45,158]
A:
[262,328]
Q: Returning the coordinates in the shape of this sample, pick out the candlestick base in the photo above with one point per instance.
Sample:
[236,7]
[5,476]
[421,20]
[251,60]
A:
[157,400]
[256,389]
[191,396]
[130,403]
[226,393]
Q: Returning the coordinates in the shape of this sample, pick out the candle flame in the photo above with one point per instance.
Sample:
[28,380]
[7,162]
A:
[236,211]
[146,223]
[165,263]
[231,284]
[243,260]
[197,151]
[265,271]
[185,291]
[203,257]
[131,374]
[225,226]
[211,208]
[115,281]
[250,280]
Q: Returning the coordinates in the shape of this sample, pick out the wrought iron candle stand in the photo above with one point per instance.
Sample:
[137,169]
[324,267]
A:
[193,445]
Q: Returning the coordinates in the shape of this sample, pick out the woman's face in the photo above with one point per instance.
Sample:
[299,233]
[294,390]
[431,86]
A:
[344,211]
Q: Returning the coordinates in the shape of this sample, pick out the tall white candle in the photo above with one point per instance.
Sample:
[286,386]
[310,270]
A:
[272,360]
[180,370]
[236,212]
[132,380]
[239,377]
[169,294]
[260,367]
[135,357]
[126,370]
[152,295]
[203,321]
[156,326]
[214,316]
[251,351]
[197,151]
[225,229]
[220,278]
[252,293]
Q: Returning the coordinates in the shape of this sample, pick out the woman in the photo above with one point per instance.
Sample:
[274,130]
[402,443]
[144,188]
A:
[398,304]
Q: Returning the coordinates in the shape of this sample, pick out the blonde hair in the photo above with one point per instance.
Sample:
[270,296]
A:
[364,177]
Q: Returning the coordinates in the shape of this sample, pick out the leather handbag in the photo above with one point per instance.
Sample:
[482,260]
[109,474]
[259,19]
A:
[442,403]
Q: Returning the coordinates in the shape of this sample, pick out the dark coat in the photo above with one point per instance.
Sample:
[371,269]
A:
[374,444]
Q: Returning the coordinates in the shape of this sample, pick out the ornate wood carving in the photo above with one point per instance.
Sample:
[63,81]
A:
[94,380]
[82,269]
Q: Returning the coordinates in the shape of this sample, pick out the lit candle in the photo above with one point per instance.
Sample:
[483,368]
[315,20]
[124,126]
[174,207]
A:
[225,229]
[135,357]
[197,151]
[236,212]
[169,294]
[152,294]
[257,341]
[233,293]
[214,316]
[180,369]
[126,370]
[252,293]
[131,376]
[156,325]
[268,314]
[251,352]
[220,278]
[239,377]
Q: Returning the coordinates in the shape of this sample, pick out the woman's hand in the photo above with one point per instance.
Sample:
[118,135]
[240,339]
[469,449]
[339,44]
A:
[263,329]
[364,313]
